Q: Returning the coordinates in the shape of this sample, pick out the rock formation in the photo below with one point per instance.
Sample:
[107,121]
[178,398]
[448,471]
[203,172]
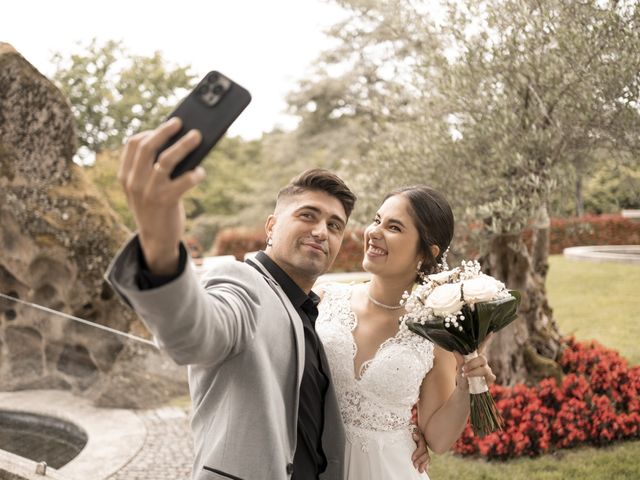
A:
[57,237]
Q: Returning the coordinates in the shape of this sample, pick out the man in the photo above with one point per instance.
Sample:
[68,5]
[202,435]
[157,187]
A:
[263,403]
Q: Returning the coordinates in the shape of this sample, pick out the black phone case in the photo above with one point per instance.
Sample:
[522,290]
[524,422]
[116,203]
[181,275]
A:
[211,120]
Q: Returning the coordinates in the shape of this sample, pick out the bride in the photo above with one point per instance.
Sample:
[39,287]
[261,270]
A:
[380,369]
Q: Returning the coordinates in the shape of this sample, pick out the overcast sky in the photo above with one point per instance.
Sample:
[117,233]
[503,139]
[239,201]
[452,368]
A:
[265,45]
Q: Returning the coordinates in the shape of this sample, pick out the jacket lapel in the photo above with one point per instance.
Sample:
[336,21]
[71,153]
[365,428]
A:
[295,319]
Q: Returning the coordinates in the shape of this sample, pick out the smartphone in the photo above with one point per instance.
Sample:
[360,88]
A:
[211,107]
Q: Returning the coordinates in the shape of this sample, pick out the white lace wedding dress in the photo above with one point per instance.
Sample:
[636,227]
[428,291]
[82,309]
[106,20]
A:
[376,405]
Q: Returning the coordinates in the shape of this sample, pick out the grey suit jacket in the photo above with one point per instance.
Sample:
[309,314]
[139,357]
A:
[244,343]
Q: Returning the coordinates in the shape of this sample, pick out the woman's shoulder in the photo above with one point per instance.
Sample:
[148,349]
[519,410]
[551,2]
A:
[332,289]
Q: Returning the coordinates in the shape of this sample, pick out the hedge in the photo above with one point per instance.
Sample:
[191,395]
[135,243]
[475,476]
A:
[565,232]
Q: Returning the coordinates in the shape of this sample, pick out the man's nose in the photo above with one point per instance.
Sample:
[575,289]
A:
[319,231]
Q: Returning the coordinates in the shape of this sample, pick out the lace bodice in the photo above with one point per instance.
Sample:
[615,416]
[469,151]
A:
[388,384]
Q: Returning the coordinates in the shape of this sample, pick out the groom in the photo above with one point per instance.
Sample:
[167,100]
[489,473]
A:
[263,403]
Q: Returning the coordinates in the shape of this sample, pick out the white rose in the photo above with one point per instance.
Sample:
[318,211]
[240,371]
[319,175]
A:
[481,289]
[443,277]
[445,299]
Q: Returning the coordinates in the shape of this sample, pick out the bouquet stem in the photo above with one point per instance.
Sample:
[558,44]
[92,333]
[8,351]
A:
[485,417]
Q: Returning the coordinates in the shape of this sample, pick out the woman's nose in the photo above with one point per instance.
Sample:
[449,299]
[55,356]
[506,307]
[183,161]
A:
[374,232]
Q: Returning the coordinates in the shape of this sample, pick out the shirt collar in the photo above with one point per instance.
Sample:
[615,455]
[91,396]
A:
[295,294]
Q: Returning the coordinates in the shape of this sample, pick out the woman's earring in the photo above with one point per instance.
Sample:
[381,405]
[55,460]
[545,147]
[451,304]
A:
[443,265]
[269,242]
[420,273]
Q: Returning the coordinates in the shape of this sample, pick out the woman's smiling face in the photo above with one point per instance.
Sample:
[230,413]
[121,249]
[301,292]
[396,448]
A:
[391,241]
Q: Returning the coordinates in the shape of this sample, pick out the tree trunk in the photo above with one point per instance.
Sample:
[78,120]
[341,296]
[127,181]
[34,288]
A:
[527,350]
[579,199]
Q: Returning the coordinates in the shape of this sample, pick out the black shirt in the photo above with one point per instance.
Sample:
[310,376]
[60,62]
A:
[309,460]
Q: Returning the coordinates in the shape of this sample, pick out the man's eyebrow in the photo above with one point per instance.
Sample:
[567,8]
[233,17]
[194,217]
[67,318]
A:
[318,210]
[308,207]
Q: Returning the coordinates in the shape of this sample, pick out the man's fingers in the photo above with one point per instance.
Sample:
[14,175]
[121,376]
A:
[128,155]
[146,150]
[160,136]
[176,152]
[184,182]
[424,463]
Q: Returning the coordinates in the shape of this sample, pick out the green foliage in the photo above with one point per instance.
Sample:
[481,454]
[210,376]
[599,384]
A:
[213,204]
[612,187]
[114,94]
[493,104]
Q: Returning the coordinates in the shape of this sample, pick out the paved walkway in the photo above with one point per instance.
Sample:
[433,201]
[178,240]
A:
[123,444]
[167,451]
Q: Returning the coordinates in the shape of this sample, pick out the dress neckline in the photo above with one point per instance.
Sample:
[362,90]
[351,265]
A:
[358,373]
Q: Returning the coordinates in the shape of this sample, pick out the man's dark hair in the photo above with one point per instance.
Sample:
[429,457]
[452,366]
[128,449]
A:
[318,179]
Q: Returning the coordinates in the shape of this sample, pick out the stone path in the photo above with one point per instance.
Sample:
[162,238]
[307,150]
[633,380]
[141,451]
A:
[167,452]
[152,444]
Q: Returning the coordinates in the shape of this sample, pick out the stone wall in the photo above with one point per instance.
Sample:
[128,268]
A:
[57,236]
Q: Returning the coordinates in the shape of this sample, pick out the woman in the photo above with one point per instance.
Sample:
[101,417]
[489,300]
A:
[380,369]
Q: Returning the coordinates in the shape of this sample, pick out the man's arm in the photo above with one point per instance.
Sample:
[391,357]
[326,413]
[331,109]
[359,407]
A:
[195,325]
[153,197]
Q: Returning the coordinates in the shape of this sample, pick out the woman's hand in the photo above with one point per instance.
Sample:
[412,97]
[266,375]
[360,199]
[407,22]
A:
[420,458]
[475,367]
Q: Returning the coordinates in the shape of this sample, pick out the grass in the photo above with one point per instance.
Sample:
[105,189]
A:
[591,301]
[615,462]
[597,301]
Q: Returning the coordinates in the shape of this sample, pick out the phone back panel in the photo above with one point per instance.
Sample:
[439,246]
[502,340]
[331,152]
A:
[211,120]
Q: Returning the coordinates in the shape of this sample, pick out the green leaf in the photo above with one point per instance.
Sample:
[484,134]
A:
[494,316]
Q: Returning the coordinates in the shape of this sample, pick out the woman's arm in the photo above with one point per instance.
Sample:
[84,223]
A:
[443,407]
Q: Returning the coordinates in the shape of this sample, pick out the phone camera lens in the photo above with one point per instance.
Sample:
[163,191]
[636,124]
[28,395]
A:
[218,89]
[213,78]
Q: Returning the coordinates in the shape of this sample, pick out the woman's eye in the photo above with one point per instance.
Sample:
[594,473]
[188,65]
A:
[376,221]
[394,228]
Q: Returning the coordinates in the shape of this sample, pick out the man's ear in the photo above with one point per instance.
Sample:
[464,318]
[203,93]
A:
[268,226]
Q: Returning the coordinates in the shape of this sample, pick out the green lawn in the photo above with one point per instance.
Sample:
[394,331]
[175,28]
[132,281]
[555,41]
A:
[611,463]
[591,301]
[597,301]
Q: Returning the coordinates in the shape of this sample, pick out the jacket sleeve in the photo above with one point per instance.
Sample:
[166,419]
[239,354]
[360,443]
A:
[198,323]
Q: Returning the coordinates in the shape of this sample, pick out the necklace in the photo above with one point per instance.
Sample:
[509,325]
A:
[382,305]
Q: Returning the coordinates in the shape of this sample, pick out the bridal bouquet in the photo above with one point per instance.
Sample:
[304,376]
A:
[457,309]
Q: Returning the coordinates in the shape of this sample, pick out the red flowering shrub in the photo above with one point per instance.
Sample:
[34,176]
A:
[597,404]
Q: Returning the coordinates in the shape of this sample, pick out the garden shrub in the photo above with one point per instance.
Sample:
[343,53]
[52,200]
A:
[596,404]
